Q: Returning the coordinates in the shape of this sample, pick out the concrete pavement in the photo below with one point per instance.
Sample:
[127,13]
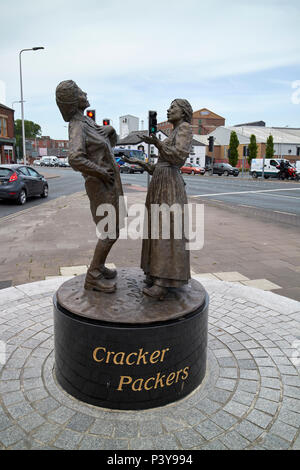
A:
[38,241]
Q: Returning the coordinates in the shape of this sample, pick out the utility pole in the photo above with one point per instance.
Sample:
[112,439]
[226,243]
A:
[148,158]
[211,150]
[22,101]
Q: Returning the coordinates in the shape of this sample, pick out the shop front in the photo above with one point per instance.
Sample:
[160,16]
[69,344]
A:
[7,151]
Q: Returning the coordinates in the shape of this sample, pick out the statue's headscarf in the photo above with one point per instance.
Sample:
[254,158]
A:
[67,97]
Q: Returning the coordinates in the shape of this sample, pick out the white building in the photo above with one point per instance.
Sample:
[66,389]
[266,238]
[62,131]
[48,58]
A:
[286,140]
[128,124]
[198,152]
[134,141]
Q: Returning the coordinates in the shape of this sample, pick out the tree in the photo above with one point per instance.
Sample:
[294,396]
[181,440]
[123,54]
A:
[32,130]
[252,147]
[270,147]
[233,149]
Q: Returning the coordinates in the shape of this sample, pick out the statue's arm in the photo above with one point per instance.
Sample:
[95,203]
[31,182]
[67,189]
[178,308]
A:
[177,154]
[149,167]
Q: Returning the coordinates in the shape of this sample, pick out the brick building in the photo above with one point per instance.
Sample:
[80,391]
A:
[44,145]
[204,121]
[7,134]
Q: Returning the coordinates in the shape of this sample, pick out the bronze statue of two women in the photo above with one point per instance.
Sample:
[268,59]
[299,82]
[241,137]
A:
[165,262]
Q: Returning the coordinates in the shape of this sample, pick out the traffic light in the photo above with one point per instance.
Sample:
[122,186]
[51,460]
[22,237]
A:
[91,113]
[152,122]
[211,143]
[106,122]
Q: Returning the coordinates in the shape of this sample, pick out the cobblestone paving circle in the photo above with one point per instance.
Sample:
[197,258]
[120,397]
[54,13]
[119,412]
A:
[250,398]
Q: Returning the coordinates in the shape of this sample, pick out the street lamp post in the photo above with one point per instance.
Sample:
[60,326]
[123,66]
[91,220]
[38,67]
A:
[12,105]
[22,101]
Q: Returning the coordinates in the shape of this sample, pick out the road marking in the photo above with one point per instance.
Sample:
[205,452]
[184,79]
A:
[281,212]
[282,195]
[246,192]
[244,205]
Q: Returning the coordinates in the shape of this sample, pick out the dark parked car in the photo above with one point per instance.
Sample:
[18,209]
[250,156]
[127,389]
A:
[130,168]
[224,169]
[18,182]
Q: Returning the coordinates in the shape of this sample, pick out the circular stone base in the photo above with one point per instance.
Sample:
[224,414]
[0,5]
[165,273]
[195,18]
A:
[125,350]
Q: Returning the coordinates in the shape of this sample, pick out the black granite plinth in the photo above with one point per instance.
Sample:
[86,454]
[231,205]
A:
[125,365]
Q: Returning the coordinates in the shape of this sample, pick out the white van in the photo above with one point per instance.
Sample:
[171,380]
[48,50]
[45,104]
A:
[270,169]
[49,161]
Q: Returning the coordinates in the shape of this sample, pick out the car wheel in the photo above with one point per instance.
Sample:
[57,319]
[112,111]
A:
[226,173]
[22,198]
[235,174]
[192,173]
[254,174]
[45,191]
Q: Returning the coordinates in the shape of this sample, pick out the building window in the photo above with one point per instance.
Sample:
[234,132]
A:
[3,126]
[298,151]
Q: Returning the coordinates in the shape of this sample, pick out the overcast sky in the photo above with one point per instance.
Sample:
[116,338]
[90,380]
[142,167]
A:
[238,58]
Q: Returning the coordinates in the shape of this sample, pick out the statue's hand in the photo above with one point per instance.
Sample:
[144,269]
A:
[126,159]
[131,160]
[107,176]
[152,140]
[147,139]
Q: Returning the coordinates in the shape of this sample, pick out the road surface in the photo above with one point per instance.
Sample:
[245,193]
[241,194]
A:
[279,197]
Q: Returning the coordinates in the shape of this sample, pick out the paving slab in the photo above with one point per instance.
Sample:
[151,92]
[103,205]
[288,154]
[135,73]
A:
[231,276]
[263,284]
[73,270]
[249,398]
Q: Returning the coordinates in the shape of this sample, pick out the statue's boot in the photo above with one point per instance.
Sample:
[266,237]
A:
[108,273]
[149,280]
[95,280]
[157,292]
[102,249]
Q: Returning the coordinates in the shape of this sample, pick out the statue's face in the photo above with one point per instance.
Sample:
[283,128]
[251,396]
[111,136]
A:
[83,102]
[174,112]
